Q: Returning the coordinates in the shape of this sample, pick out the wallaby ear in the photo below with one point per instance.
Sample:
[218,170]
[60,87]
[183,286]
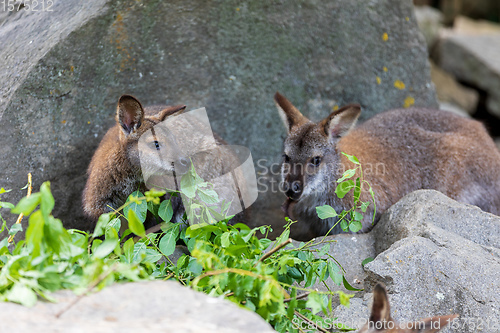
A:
[170,110]
[381,310]
[434,324]
[290,115]
[339,122]
[129,113]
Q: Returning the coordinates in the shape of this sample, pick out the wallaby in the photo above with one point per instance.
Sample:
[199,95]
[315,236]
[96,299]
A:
[126,155]
[381,321]
[400,150]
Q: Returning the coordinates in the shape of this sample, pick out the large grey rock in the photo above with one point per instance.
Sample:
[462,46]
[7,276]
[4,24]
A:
[473,58]
[63,71]
[134,307]
[437,257]
[422,210]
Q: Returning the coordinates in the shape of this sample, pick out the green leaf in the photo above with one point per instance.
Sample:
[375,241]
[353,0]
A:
[168,241]
[47,200]
[347,174]
[355,226]
[344,225]
[315,301]
[16,227]
[348,286]
[325,212]
[135,225]
[357,190]
[358,216]
[344,298]
[343,188]
[351,158]
[224,239]
[35,234]
[101,224]
[364,206]
[27,204]
[6,205]
[22,294]
[106,248]
[128,250]
[188,185]
[140,207]
[335,273]
[165,211]
[2,190]
[208,196]
[366,261]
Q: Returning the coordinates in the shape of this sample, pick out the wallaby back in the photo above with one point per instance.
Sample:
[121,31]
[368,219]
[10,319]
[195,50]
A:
[380,320]
[401,151]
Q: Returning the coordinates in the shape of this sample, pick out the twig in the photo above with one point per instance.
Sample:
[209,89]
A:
[277,248]
[310,322]
[92,286]
[20,217]
[301,296]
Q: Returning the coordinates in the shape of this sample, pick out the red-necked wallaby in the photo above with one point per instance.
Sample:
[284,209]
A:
[115,170]
[401,151]
[140,153]
[381,321]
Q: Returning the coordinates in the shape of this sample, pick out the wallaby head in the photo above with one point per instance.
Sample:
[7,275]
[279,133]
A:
[115,169]
[381,321]
[309,157]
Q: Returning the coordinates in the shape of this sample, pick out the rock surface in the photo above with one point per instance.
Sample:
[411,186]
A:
[430,22]
[472,57]
[436,256]
[63,71]
[450,92]
[159,306]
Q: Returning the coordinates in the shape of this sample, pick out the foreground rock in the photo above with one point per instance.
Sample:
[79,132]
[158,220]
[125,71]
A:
[436,257]
[63,71]
[134,307]
[472,57]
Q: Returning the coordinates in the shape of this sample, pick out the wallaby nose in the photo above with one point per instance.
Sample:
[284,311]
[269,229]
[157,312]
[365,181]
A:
[183,161]
[293,190]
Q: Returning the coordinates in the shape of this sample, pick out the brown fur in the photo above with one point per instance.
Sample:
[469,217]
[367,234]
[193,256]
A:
[381,321]
[400,150]
[114,171]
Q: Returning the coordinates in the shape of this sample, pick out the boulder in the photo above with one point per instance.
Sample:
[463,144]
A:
[430,22]
[63,71]
[156,306]
[437,257]
[451,94]
[478,9]
[472,57]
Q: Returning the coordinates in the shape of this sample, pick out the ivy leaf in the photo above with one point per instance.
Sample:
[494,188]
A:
[325,212]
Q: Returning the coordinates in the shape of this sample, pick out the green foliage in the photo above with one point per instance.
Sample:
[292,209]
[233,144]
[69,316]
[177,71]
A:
[350,220]
[231,261]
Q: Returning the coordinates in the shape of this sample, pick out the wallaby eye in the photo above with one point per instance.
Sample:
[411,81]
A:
[316,161]
[286,158]
[157,145]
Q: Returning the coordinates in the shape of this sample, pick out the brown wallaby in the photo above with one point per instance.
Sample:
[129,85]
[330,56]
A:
[401,151]
[115,170]
[381,321]
[140,153]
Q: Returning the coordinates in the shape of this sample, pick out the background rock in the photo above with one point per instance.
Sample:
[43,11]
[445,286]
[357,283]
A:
[473,59]
[64,70]
[450,92]
[159,306]
[436,256]
[430,22]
